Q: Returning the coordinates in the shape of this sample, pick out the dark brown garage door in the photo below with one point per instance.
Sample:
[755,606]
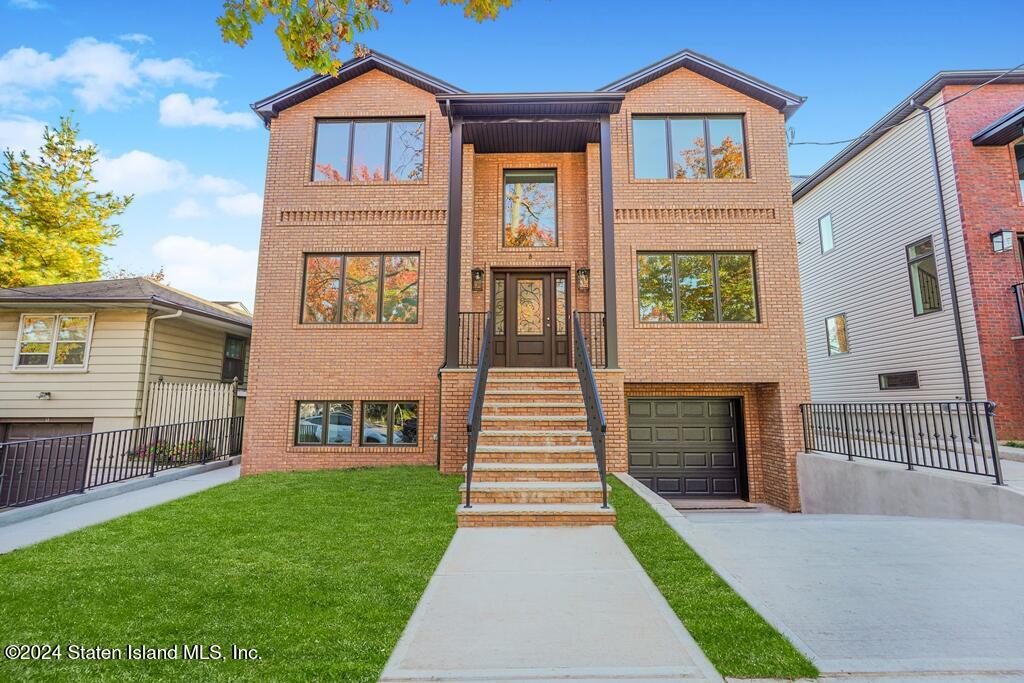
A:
[687,446]
[32,470]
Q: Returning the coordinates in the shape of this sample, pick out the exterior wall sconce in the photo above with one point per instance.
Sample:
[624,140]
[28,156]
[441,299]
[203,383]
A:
[583,279]
[1002,240]
[478,279]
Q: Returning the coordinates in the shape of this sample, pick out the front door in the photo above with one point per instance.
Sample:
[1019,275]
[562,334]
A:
[534,329]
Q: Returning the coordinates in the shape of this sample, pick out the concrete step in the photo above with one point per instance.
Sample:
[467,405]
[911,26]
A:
[578,514]
[534,471]
[519,454]
[571,408]
[530,395]
[535,437]
[534,422]
[533,492]
[567,379]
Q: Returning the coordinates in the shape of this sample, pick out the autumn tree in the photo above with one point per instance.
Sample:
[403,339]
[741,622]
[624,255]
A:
[312,32]
[53,223]
[128,274]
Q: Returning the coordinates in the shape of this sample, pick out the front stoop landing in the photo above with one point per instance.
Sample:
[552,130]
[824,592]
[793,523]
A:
[535,463]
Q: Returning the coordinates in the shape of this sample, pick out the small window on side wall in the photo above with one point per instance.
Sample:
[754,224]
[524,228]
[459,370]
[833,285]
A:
[888,381]
[825,233]
[390,423]
[924,277]
[234,359]
[311,418]
[835,331]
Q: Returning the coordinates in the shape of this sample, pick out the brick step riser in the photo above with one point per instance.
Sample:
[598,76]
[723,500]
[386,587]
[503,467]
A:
[534,497]
[480,477]
[576,425]
[533,520]
[543,458]
[526,440]
[522,410]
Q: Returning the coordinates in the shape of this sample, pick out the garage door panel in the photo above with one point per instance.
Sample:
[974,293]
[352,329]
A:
[695,446]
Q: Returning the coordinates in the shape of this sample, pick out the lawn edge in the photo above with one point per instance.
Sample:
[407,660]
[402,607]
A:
[665,511]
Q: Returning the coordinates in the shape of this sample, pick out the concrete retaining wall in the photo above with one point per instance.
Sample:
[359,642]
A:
[833,484]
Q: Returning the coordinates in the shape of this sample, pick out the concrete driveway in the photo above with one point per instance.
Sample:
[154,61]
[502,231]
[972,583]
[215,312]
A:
[863,593]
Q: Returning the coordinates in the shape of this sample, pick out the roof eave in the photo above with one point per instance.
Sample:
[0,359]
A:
[1001,132]
[139,301]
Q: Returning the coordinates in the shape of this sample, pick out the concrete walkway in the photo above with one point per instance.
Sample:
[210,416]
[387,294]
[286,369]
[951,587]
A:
[31,531]
[532,604]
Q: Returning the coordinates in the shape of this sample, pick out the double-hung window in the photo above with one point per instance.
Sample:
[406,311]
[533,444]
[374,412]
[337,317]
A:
[54,341]
[691,287]
[368,150]
[681,147]
[234,359]
[924,277]
[361,288]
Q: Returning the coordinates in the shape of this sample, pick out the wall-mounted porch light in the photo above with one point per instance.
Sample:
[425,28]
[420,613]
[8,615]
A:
[583,279]
[478,279]
[1002,240]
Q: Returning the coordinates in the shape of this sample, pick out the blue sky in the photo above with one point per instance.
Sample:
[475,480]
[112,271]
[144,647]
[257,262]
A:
[166,101]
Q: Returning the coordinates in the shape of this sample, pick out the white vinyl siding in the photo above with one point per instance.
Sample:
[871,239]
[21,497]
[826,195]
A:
[184,352]
[881,201]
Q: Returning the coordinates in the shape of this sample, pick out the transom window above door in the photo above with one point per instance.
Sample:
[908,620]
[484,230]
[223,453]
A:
[688,147]
[530,211]
[368,150]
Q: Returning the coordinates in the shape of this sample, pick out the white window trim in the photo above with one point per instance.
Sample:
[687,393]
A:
[831,234]
[50,367]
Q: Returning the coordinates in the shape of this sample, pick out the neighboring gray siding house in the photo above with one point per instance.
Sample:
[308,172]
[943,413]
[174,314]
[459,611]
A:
[73,357]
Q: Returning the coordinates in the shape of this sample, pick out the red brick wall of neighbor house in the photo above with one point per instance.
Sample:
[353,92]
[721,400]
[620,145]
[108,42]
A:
[290,362]
[990,199]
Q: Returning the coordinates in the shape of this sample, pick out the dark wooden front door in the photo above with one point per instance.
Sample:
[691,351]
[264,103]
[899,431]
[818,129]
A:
[531,319]
[688,446]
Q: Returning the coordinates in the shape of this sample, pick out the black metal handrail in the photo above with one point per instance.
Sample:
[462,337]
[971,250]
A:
[592,323]
[471,336]
[596,423]
[1018,295]
[957,436]
[35,470]
[476,403]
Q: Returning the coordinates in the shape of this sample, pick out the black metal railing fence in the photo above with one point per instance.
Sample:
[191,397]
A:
[476,403]
[592,329]
[597,425]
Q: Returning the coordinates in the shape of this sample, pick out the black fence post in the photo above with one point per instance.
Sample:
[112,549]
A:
[153,452]
[907,437]
[846,428]
[990,419]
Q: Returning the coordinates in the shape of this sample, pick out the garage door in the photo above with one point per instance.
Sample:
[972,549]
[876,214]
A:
[32,470]
[687,447]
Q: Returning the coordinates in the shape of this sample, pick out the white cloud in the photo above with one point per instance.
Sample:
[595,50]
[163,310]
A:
[248,204]
[188,209]
[137,172]
[102,75]
[138,38]
[211,184]
[27,4]
[21,133]
[215,271]
[179,110]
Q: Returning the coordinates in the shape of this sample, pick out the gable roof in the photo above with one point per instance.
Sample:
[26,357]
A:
[137,290]
[900,112]
[269,107]
[783,100]
[1002,131]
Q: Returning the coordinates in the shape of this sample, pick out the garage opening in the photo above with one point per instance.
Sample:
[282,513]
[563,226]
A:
[688,447]
[32,471]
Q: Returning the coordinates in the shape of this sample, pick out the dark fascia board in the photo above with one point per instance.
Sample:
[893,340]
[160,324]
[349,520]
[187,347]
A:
[147,301]
[783,100]
[1002,131]
[515,103]
[900,112]
[269,107]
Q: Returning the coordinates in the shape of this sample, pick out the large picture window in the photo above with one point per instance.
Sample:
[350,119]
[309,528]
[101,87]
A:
[688,147]
[530,209]
[311,416]
[369,150]
[54,341]
[361,288]
[924,277]
[390,423]
[697,287]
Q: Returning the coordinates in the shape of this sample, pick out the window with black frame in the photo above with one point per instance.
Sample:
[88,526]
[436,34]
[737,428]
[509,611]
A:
[234,359]
[323,423]
[924,277]
[368,150]
[361,288]
[390,423]
[688,147]
[691,287]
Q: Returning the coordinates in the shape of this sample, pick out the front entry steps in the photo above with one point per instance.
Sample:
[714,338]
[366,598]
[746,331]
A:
[535,463]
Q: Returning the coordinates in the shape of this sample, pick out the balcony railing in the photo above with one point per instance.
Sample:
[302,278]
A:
[1018,295]
[592,332]
[472,326]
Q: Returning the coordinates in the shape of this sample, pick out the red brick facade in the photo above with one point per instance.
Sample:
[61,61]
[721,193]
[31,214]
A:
[763,363]
[989,194]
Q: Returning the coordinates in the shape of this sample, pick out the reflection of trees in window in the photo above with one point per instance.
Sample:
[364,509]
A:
[690,287]
[696,282]
[736,287]
[323,281]
[362,278]
[375,288]
[654,280]
[369,150]
[401,282]
[406,150]
[686,140]
[835,328]
[394,423]
[530,209]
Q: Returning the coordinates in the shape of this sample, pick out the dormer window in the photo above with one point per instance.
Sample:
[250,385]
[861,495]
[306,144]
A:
[368,150]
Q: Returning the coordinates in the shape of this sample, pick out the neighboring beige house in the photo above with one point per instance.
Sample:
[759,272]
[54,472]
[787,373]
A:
[78,357]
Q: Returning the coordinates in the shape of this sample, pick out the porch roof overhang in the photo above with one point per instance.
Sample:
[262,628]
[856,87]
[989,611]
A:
[530,122]
[1002,131]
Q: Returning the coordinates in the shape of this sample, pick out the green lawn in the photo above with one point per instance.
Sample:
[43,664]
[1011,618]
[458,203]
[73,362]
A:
[318,571]
[734,637]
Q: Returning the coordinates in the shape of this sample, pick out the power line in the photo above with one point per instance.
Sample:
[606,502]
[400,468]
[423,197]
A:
[911,118]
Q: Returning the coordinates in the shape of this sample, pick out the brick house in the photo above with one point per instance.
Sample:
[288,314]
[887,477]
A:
[911,252]
[400,210]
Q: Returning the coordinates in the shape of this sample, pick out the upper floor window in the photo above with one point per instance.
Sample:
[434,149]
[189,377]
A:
[234,359]
[924,277]
[53,341]
[369,150]
[697,288]
[1018,151]
[361,288]
[825,233]
[530,210]
[835,331]
[688,147]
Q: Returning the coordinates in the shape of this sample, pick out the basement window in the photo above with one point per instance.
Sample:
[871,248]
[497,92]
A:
[899,380]
[394,423]
[311,416]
